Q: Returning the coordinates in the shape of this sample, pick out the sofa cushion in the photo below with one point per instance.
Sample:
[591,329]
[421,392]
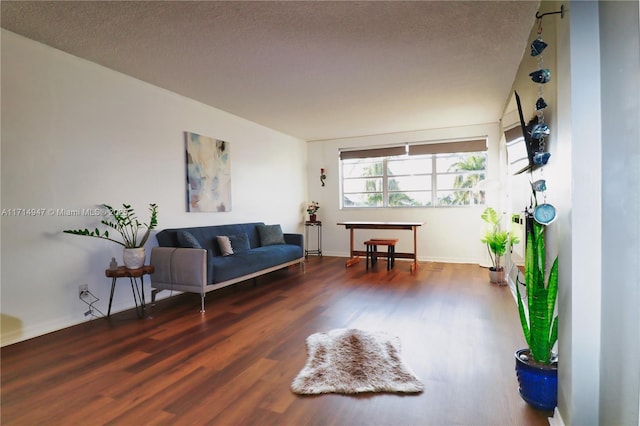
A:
[270,235]
[223,268]
[187,240]
[206,235]
[225,245]
[240,242]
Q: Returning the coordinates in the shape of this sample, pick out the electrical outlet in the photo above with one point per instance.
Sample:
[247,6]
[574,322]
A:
[82,289]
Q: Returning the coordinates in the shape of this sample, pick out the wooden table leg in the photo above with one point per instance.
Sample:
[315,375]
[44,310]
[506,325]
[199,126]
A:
[113,286]
[353,259]
[414,266]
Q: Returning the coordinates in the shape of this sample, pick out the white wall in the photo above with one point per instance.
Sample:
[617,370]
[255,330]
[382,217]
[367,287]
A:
[76,135]
[620,99]
[449,234]
[580,270]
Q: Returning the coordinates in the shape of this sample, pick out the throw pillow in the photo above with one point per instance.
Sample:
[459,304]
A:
[225,245]
[187,240]
[240,242]
[270,235]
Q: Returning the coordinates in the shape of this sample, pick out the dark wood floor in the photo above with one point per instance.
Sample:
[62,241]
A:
[234,364]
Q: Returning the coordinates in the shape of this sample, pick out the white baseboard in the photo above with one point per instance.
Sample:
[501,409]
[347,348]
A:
[556,420]
[420,258]
[22,333]
[36,330]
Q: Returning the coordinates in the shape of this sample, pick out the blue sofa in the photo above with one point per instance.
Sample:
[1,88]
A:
[206,258]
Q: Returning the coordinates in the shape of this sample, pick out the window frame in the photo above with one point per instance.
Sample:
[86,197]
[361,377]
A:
[476,198]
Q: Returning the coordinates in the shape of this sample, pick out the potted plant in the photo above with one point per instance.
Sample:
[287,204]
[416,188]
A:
[497,242]
[537,365]
[312,208]
[126,223]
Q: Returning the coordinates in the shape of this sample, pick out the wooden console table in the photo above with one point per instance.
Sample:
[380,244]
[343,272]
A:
[133,275]
[410,226]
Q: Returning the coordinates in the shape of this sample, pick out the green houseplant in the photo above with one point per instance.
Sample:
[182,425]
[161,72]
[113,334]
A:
[497,242]
[126,223]
[536,365]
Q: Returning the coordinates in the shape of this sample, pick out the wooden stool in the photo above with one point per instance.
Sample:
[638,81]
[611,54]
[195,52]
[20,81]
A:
[372,250]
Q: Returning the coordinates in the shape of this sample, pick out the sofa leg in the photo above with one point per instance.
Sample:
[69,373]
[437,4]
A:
[255,281]
[153,296]
[202,302]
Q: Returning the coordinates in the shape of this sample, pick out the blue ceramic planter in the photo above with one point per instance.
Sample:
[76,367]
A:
[538,383]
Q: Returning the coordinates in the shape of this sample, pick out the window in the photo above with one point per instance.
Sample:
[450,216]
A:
[419,175]
[517,155]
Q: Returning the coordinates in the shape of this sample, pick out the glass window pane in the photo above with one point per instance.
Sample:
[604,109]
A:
[457,181]
[460,162]
[410,199]
[363,185]
[358,168]
[362,200]
[410,183]
[409,166]
[478,197]
[453,198]
[460,198]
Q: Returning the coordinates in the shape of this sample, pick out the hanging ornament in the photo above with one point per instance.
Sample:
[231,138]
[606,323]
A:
[540,131]
[544,213]
[540,185]
[540,104]
[541,158]
[541,76]
[537,46]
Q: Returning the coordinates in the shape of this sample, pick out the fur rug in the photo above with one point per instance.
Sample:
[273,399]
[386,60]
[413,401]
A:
[354,361]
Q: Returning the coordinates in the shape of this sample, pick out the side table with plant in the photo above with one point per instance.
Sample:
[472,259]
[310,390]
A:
[126,223]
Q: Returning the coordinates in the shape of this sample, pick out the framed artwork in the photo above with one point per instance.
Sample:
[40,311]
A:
[208,174]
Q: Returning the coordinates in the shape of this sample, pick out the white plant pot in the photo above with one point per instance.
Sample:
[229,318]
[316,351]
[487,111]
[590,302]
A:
[497,277]
[133,257]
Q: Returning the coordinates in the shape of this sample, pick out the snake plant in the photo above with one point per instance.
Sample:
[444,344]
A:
[539,324]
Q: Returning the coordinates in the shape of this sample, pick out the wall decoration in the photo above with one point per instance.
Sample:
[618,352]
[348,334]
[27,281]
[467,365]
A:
[543,213]
[208,174]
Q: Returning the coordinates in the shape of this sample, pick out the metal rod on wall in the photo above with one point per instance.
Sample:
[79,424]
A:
[561,12]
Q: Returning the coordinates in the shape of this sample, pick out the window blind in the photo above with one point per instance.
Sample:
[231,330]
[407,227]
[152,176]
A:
[373,152]
[512,134]
[448,147]
[417,149]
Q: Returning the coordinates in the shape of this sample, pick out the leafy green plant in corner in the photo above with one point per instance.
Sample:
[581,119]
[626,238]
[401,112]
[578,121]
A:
[539,324]
[126,223]
[496,239]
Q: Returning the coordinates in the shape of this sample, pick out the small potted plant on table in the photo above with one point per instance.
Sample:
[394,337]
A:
[497,242]
[312,209]
[128,226]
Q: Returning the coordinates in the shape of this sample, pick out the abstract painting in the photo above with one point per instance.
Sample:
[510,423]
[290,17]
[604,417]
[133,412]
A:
[208,174]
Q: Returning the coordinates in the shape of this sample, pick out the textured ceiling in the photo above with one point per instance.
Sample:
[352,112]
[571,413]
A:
[311,69]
